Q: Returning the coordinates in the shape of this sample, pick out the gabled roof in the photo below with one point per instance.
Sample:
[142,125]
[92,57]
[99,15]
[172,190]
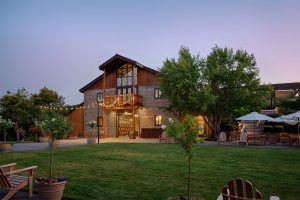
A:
[111,65]
[91,83]
[118,60]
[286,86]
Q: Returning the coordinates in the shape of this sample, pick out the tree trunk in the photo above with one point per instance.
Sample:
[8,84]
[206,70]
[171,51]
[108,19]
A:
[190,177]
[5,133]
[17,131]
[51,159]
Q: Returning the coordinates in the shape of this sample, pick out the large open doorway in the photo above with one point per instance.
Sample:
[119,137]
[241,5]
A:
[125,123]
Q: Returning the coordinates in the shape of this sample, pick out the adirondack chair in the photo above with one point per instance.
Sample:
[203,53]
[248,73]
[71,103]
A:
[238,189]
[11,183]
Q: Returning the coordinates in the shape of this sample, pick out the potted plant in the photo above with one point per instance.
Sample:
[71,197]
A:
[186,133]
[50,187]
[92,140]
[4,125]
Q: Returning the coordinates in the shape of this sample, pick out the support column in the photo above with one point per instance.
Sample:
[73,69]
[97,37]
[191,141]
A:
[103,105]
[133,98]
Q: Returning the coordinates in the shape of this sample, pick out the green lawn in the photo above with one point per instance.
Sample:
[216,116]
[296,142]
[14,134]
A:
[157,171]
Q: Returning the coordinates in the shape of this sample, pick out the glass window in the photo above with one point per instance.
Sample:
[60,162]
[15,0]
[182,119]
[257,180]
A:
[157,120]
[157,93]
[100,96]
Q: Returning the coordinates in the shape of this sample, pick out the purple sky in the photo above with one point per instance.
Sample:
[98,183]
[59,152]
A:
[60,44]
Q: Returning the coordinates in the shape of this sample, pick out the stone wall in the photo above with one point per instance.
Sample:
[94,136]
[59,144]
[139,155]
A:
[151,107]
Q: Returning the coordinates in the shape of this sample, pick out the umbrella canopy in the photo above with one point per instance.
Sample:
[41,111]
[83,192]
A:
[293,116]
[282,120]
[255,116]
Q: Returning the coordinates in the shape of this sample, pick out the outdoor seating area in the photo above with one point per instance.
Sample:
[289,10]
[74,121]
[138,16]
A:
[256,135]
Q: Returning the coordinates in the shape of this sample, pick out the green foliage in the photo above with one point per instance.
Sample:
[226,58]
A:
[220,87]
[57,126]
[5,124]
[289,104]
[268,128]
[185,132]
[24,109]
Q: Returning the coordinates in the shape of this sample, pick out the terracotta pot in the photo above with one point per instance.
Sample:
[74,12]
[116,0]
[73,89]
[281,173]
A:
[92,140]
[131,135]
[55,144]
[5,148]
[52,191]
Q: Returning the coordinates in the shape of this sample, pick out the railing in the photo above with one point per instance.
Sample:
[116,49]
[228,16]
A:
[117,101]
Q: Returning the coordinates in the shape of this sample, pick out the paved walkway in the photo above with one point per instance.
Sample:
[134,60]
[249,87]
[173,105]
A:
[82,141]
[75,142]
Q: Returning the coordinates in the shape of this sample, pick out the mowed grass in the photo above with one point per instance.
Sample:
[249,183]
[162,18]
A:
[158,171]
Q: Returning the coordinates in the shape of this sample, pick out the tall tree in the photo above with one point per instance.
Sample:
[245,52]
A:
[18,108]
[219,87]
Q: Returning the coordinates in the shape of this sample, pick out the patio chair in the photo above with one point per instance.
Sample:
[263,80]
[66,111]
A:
[238,189]
[222,137]
[284,138]
[243,138]
[256,139]
[233,136]
[12,183]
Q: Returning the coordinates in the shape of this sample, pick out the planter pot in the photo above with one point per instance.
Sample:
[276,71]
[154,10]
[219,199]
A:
[55,144]
[92,140]
[52,191]
[5,148]
[131,135]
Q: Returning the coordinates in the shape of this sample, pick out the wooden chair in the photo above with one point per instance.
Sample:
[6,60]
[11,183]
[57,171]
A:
[284,138]
[233,136]
[238,189]
[12,183]
[256,139]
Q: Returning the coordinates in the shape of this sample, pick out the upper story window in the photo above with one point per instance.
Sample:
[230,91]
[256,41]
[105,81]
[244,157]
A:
[100,96]
[157,93]
[126,74]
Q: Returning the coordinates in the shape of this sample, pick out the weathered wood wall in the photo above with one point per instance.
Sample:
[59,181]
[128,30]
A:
[75,118]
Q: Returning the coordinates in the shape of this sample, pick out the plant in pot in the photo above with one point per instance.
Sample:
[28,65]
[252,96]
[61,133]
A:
[4,125]
[186,133]
[92,140]
[51,187]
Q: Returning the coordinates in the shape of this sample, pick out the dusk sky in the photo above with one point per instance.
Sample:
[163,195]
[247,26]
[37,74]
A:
[60,44]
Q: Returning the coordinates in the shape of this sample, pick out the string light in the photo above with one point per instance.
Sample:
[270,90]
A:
[116,103]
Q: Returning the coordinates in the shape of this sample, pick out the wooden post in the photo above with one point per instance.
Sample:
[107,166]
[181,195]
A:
[133,99]
[103,105]
[30,183]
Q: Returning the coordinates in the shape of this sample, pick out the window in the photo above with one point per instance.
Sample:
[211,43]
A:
[157,93]
[157,120]
[100,96]
[126,74]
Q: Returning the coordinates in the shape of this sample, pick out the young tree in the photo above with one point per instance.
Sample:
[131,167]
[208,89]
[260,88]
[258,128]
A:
[219,87]
[4,125]
[186,132]
[56,127]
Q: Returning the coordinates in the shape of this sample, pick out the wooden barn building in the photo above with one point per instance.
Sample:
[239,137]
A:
[125,100]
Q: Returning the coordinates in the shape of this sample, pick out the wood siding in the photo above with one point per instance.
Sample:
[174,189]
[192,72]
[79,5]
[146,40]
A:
[75,118]
[146,78]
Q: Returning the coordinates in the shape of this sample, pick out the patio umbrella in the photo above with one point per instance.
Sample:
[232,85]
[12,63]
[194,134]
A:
[254,117]
[294,116]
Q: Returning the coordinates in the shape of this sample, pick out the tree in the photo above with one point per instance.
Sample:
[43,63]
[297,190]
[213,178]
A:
[219,87]
[186,133]
[56,127]
[18,108]
[4,125]
[47,97]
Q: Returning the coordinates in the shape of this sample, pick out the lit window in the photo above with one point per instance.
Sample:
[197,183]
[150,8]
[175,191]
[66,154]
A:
[100,96]
[157,93]
[157,120]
